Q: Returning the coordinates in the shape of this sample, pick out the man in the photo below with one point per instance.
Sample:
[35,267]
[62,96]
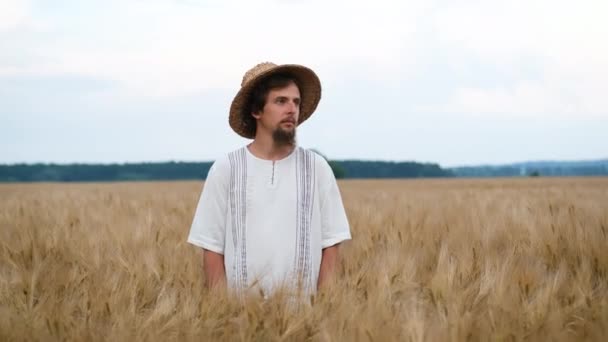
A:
[270,213]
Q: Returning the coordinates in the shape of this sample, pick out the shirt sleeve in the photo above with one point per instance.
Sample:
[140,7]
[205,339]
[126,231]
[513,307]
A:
[208,228]
[335,227]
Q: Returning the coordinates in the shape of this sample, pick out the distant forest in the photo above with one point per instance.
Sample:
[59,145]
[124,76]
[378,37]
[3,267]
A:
[194,171]
[342,169]
[546,168]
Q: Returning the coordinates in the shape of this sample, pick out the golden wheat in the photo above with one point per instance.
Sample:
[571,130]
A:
[508,259]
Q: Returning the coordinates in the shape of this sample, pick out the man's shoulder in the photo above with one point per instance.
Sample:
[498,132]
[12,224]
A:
[233,156]
[223,163]
[321,163]
[311,152]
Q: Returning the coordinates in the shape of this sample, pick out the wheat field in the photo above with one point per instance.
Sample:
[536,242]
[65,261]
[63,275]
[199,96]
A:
[430,260]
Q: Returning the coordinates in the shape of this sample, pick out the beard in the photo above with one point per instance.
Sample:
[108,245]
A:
[282,137]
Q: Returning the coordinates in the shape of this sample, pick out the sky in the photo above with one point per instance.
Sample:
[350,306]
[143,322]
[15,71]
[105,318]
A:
[450,82]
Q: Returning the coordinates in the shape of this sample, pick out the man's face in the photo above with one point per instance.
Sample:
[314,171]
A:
[279,118]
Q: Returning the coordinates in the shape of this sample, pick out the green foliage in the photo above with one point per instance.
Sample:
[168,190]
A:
[102,172]
[536,169]
[381,169]
[185,171]
[339,171]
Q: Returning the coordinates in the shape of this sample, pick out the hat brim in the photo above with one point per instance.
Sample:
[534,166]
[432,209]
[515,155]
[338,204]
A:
[310,92]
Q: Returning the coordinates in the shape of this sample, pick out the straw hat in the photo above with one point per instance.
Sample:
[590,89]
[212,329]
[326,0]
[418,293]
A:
[308,82]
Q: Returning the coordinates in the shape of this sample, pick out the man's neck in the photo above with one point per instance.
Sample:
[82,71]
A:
[265,148]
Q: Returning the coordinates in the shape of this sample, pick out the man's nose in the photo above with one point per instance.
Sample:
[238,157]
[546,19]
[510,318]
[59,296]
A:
[293,107]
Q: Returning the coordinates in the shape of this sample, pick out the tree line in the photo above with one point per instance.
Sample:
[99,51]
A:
[342,169]
[195,171]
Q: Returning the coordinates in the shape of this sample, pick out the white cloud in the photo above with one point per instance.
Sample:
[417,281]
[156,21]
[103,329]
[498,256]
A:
[171,48]
[526,99]
[160,48]
[16,16]
[13,13]
[565,38]
[508,29]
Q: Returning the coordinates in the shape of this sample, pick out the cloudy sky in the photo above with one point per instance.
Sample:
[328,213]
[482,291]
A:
[452,82]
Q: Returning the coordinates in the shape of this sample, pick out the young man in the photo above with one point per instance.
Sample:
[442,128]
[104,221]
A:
[270,213]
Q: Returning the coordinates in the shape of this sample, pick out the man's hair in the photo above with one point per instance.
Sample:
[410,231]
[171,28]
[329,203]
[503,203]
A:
[259,96]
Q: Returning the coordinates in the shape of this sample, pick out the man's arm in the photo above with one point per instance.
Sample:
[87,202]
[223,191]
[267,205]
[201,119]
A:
[329,260]
[213,267]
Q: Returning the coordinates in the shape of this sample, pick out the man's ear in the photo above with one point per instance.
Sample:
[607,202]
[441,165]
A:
[256,115]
